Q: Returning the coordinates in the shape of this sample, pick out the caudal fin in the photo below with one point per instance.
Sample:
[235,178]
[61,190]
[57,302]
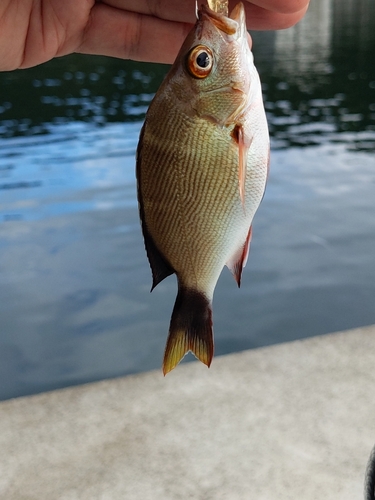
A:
[190,329]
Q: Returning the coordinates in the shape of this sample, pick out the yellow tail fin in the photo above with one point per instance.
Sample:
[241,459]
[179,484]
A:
[190,329]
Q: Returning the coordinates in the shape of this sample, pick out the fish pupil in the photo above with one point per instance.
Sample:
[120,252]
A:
[203,60]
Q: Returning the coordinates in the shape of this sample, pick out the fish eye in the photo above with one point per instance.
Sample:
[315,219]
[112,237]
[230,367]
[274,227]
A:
[200,61]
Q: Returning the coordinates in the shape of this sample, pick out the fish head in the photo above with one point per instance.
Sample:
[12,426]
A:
[212,74]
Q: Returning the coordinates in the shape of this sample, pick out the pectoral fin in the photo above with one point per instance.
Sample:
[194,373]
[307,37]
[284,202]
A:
[238,261]
[244,143]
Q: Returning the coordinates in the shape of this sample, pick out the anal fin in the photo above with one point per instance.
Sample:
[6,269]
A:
[238,261]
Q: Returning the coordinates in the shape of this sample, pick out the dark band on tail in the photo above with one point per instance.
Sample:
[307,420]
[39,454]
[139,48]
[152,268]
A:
[190,329]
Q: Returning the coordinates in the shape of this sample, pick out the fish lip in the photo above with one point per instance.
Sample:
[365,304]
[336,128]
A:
[235,24]
[223,23]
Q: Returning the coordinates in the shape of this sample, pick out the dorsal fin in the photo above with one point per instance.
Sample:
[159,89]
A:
[160,267]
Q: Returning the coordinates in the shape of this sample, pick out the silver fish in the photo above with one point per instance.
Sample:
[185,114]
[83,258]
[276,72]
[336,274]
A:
[202,165]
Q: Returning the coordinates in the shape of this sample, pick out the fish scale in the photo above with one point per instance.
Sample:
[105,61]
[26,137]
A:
[212,188]
[202,163]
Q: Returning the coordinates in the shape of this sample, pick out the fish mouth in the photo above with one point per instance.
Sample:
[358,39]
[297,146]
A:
[235,24]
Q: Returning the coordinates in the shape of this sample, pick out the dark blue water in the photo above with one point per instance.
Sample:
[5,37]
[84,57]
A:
[74,279]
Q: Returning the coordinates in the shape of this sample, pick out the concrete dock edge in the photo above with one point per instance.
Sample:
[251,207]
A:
[290,421]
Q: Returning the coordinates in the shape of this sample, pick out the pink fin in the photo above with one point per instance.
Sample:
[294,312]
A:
[244,143]
[239,259]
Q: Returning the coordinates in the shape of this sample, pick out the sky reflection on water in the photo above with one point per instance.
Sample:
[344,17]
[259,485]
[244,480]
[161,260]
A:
[74,279]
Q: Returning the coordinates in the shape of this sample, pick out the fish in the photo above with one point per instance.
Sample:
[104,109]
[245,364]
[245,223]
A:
[202,165]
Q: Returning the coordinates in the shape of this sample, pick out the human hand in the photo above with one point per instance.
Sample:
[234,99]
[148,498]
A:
[33,32]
